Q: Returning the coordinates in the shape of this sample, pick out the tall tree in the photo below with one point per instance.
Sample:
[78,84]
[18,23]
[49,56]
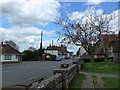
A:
[85,33]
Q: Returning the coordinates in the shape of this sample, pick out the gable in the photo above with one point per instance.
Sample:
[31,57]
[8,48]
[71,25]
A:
[7,49]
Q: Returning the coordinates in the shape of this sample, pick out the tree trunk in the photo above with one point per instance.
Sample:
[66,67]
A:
[92,59]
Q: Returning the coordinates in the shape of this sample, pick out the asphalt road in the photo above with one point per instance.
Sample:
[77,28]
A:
[19,72]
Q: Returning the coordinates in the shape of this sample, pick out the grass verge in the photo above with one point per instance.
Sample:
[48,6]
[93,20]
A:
[101,67]
[77,81]
[110,82]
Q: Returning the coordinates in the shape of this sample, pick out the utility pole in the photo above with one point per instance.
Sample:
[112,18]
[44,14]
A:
[41,40]
[52,46]
[52,42]
[41,50]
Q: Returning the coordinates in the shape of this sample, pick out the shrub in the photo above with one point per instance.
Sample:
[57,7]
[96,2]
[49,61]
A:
[30,55]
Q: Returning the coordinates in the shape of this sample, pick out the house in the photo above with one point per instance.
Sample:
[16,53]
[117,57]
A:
[117,50]
[81,51]
[59,51]
[106,46]
[9,54]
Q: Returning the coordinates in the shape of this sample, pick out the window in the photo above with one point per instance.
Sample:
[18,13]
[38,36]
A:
[8,57]
[110,51]
[18,57]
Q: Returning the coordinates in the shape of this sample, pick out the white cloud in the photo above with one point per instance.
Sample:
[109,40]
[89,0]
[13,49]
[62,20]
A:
[81,15]
[114,24]
[32,12]
[76,15]
[24,37]
[99,11]
[95,2]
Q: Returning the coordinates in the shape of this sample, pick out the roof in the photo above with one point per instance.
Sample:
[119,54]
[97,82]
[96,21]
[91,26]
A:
[103,36]
[53,48]
[7,49]
[62,49]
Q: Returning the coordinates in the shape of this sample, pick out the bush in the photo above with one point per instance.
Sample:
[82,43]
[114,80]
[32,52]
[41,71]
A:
[110,59]
[86,60]
[30,55]
[101,59]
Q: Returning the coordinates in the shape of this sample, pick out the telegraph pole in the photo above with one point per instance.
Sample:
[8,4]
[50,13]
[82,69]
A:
[41,50]
[41,40]
[52,46]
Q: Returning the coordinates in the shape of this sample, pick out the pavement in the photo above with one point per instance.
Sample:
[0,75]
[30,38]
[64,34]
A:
[88,82]
[19,72]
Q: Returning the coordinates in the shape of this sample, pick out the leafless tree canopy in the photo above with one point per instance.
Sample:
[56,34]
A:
[13,44]
[85,33]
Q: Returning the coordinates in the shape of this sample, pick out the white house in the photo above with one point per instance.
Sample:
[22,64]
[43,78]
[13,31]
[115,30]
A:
[9,54]
[82,51]
[59,51]
[53,52]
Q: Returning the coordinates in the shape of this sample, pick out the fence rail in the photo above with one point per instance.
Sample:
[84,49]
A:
[61,79]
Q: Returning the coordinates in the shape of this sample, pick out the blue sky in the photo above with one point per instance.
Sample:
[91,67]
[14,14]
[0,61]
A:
[22,23]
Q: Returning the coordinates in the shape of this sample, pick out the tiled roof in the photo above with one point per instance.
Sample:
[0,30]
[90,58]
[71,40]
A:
[7,49]
[103,36]
[62,49]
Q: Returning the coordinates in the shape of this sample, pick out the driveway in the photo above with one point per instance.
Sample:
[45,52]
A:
[18,72]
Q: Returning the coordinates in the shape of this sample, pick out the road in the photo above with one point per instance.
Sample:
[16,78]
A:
[18,72]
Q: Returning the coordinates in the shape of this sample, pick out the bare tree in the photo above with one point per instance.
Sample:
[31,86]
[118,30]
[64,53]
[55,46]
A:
[12,44]
[85,33]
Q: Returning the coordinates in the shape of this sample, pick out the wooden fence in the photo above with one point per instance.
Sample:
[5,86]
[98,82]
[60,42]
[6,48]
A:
[61,79]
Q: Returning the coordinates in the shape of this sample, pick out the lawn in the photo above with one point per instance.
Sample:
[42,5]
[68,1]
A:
[77,81]
[110,82]
[101,67]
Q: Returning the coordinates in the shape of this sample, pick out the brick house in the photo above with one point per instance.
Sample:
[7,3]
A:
[106,46]
[117,50]
[9,54]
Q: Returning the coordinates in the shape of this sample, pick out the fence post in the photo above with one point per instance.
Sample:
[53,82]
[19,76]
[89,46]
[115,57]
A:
[64,77]
[78,65]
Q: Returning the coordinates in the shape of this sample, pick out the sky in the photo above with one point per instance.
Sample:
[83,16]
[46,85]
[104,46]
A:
[22,21]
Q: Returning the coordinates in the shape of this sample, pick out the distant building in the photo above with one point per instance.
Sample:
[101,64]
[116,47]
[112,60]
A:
[81,51]
[106,46]
[59,51]
[117,50]
[9,54]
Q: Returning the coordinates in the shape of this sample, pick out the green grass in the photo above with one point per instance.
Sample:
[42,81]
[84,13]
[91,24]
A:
[77,81]
[101,67]
[110,82]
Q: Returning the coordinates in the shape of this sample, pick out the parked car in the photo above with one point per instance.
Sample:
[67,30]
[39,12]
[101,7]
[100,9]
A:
[58,59]
[67,57]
